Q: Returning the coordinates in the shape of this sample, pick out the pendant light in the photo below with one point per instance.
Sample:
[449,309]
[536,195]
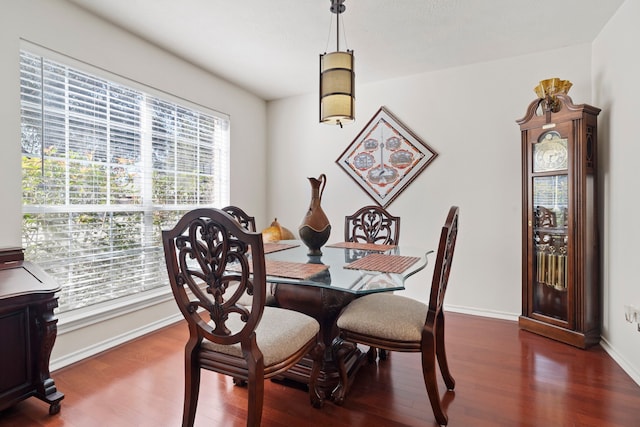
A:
[337,79]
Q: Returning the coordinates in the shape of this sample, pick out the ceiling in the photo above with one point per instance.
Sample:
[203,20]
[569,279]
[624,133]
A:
[271,48]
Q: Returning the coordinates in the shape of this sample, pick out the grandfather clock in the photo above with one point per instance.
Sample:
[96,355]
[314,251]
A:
[560,243]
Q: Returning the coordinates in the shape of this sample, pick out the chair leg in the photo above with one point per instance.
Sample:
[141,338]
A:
[442,354]
[372,354]
[375,353]
[315,396]
[238,382]
[255,397]
[430,380]
[191,385]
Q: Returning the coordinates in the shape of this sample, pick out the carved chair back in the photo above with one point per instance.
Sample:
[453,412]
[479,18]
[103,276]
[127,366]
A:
[444,259]
[246,220]
[372,224]
[206,252]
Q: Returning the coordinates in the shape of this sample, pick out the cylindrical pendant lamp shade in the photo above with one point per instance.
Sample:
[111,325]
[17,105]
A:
[337,88]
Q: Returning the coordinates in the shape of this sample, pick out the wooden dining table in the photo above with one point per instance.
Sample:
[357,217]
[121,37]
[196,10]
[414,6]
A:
[321,286]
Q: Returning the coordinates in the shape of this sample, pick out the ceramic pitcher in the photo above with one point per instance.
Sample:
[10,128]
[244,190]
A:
[315,228]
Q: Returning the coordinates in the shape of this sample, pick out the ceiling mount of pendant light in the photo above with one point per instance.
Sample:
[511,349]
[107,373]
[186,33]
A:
[337,79]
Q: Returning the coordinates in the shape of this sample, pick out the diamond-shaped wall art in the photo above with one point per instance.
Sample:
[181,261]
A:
[385,157]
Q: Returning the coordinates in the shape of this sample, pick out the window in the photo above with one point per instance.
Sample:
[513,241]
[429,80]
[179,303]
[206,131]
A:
[106,167]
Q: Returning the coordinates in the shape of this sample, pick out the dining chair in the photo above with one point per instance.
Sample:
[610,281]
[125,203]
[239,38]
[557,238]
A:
[247,221]
[394,322]
[372,224]
[204,252]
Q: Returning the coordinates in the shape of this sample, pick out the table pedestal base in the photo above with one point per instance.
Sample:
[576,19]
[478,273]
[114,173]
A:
[329,377]
[324,305]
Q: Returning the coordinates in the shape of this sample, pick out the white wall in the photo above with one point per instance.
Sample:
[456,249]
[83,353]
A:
[66,29]
[468,116]
[616,89]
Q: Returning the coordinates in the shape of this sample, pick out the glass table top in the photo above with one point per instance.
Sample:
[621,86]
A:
[336,276]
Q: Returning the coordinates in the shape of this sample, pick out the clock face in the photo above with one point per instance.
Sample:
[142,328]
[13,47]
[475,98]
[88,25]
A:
[550,153]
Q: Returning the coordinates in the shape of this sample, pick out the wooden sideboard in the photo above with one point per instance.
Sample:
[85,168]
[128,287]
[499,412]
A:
[28,331]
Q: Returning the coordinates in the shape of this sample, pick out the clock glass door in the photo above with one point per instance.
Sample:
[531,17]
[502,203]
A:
[550,238]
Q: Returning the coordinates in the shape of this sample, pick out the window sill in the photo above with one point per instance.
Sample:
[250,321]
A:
[87,316]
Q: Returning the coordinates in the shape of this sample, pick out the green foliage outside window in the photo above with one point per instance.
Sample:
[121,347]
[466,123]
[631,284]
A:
[104,169]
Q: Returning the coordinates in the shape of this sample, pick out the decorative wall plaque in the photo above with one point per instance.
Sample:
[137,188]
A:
[385,157]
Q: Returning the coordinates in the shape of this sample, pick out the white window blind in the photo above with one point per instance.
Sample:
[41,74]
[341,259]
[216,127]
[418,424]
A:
[105,168]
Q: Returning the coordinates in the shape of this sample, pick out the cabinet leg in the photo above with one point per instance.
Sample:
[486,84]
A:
[54,409]
[50,395]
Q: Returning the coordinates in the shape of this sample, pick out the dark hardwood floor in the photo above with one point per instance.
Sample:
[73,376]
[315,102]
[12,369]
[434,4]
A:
[504,377]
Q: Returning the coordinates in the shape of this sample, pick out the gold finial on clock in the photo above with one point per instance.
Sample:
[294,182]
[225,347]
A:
[548,89]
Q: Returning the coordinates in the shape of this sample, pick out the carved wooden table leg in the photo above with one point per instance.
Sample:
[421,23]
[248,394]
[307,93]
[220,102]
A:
[324,305]
[341,351]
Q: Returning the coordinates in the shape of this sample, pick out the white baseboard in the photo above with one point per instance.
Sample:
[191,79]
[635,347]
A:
[77,356]
[621,361]
[483,313]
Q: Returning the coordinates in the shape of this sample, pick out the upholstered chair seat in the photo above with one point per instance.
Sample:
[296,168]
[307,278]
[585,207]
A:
[277,344]
[387,316]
